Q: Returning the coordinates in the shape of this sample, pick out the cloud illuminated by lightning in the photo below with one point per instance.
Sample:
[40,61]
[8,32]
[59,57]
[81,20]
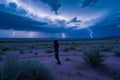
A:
[39,14]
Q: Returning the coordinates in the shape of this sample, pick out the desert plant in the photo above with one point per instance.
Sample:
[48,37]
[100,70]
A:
[93,57]
[21,52]
[107,48]
[30,51]
[66,49]
[15,69]
[10,67]
[67,59]
[2,53]
[5,49]
[116,51]
[1,58]
[34,71]
[32,47]
[110,71]
[36,53]
[49,46]
[49,50]
[72,48]
[69,74]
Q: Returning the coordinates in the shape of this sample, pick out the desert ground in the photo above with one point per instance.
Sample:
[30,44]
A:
[71,53]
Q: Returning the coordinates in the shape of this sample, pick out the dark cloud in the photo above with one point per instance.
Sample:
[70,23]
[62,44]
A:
[53,4]
[2,5]
[106,31]
[118,14]
[108,27]
[11,8]
[13,5]
[87,3]
[113,21]
[74,20]
[11,21]
[82,33]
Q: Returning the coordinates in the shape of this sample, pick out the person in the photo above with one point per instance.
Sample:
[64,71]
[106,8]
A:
[56,50]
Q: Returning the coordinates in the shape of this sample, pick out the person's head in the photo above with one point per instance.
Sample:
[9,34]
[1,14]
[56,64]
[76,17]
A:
[55,41]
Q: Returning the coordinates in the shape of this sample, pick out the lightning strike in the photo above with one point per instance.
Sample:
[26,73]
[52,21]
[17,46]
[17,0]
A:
[91,33]
[13,34]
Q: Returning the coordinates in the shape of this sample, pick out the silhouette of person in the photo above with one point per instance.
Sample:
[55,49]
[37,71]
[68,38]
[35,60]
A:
[56,50]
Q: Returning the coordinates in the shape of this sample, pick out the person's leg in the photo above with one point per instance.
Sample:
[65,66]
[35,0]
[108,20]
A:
[57,58]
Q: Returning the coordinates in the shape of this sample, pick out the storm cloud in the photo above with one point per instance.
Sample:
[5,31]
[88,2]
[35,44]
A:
[87,3]
[53,4]
[74,19]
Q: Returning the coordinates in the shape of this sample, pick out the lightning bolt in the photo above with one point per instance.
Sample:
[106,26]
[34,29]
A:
[91,33]
[13,34]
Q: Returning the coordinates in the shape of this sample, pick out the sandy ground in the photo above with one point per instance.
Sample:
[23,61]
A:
[72,67]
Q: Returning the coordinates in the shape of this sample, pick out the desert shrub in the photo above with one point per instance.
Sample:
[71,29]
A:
[21,52]
[30,51]
[32,47]
[67,59]
[110,71]
[75,44]
[36,53]
[1,58]
[5,49]
[116,51]
[49,46]
[93,57]
[19,48]
[49,50]
[66,49]
[1,53]
[69,74]
[34,71]
[72,48]
[107,48]
[101,46]
[15,69]
[10,67]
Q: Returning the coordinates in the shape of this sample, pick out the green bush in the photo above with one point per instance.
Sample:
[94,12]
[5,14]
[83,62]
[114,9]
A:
[34,71]
[66,49]
[49,50]
[49,46]
[15,69]
[93,57]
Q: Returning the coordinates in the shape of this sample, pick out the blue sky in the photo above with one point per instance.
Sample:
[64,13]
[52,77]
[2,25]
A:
[59,18]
